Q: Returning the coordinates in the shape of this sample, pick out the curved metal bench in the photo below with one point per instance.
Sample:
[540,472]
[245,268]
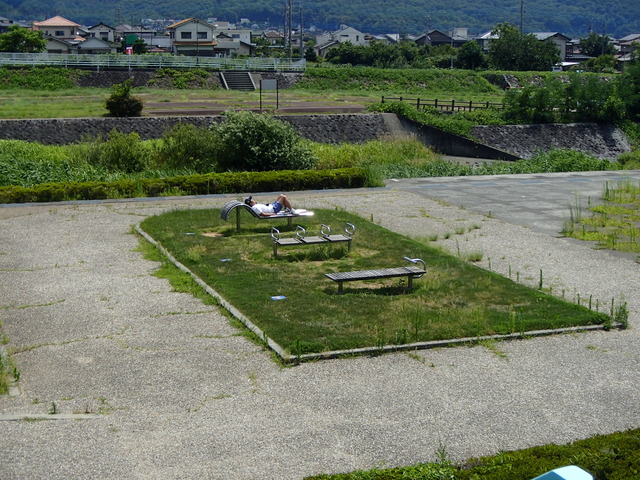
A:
[239,206]
[410,272]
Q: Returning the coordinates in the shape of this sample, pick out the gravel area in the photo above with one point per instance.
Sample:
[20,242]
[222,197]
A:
[148,383]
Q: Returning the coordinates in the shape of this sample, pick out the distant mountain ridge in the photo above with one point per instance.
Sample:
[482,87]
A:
[573,18]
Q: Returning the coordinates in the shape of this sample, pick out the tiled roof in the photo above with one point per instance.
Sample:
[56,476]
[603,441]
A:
[56,21]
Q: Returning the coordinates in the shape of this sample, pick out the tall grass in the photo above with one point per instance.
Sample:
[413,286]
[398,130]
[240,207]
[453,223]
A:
[28,163]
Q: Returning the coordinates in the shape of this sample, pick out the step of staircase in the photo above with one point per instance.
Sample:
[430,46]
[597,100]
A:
[237,81]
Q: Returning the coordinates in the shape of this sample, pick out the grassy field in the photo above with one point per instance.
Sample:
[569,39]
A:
[453,300]
[49,94]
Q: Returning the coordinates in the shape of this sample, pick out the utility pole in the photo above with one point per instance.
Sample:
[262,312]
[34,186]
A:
[290,22]
[301,36]
[521,16]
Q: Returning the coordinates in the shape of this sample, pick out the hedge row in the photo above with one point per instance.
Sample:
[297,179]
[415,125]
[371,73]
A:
[211,183]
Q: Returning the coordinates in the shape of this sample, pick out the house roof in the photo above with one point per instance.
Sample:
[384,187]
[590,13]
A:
[631,38]
[189,20]
[546,35]
[56,21]
[101,24]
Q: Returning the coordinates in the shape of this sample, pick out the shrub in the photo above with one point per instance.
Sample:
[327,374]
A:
[121,103]
[259,142]
[188,146]
[119,153]
[630,160]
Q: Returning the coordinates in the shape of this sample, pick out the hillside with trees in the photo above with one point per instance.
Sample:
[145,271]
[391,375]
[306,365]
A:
[617,18]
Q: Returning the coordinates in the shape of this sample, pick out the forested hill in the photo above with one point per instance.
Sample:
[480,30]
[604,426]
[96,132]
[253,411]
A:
[570,17]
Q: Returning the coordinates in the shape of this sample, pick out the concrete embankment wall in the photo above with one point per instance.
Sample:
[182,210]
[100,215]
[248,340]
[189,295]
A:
[495,142]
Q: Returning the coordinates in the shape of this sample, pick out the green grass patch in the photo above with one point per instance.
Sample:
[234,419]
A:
[453,300]
[605,457]
[614,224]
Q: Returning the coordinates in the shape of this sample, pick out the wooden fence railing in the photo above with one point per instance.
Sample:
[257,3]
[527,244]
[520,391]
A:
[444,105]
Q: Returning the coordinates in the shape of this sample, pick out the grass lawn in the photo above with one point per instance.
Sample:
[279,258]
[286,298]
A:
[455,299]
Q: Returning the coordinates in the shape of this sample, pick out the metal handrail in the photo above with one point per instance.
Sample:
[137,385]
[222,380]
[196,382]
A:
[149,61]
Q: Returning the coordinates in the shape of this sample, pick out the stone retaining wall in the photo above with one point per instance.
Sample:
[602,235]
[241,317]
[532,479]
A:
[319,128]
[523,141]
[602,140]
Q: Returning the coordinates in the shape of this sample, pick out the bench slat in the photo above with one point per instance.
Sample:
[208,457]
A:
[373,274]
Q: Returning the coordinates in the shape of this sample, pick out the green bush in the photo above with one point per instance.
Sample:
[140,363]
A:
[188,146]
[630,160]
[121,103]
[259,142]
[205,184]
[120,152]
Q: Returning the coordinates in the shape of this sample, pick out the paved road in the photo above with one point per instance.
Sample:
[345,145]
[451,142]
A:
[540,202]
[139,381]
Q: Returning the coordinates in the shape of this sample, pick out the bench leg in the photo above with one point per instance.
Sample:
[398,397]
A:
[340,291]
[237,219]
[410,281]
[275,249]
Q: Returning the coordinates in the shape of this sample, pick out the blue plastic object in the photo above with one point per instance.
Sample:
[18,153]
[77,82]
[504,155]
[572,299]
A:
[566,473]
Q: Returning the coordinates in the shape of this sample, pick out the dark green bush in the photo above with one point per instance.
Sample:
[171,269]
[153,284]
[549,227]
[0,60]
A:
[189,146]
[259,142]
[121,103]
[205,184]
[120,152]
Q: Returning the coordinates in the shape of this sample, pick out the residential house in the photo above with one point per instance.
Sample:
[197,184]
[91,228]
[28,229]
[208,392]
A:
[227,46]
[345,34]
[96,46]
[558,39]
[192,37]
[274,38]
[129,34]
[434,38]
[103,32]
[58,27]
[58,45]
[484,40]
[627,43]
[5,23]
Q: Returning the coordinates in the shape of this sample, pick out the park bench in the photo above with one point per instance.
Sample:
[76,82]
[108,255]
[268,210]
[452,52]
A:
[301,237]
[410,272]
[239,206]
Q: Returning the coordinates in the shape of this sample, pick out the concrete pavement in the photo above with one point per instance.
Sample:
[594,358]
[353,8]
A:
[143,382]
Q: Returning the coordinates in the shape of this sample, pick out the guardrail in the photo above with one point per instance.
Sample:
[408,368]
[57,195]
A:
[445,105]
[150,61]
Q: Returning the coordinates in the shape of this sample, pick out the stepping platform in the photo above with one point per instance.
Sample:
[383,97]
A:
[301,237]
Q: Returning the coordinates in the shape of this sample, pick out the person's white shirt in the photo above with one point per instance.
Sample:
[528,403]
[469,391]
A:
[261,208]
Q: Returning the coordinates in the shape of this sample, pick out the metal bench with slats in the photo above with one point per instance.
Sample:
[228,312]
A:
[410,272]
[301,237]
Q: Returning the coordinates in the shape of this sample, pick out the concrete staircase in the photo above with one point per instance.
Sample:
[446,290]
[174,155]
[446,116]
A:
[236,80]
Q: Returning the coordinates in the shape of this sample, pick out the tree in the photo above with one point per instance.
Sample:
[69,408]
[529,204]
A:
[595,45]
[603,63]
[121,104]
[513,50]
[470,56]
[139,46]
[19,39]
